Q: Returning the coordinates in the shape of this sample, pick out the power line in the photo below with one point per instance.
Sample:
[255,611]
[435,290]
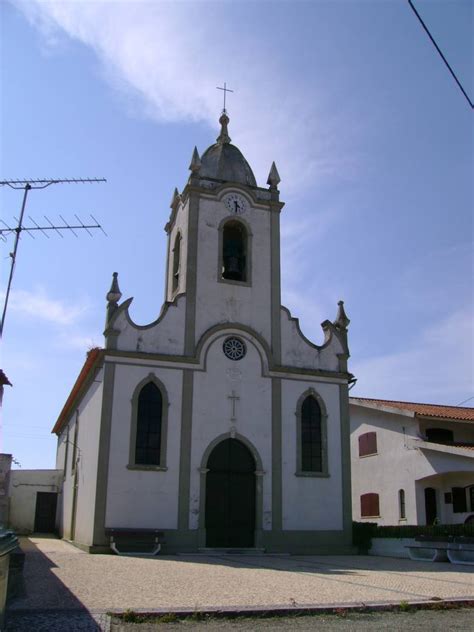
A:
[441,54]
[466,400]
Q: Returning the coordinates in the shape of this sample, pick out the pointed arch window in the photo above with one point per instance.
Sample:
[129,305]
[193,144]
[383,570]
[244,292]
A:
[149,426]
[176,263]
[234,252]
[311,436]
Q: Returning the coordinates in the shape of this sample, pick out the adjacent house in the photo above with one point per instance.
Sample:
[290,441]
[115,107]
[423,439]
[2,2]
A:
[411,463]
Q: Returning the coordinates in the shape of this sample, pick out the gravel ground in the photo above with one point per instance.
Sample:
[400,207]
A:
[65,585]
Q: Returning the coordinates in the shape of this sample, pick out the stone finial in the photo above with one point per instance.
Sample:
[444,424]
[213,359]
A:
[223,137]
[114,294]
[195,162]
[341,322]
[174,197]
[273,177]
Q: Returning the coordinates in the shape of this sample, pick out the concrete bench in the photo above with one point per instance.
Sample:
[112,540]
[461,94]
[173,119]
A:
[461,551]
[429,549]
[137,541]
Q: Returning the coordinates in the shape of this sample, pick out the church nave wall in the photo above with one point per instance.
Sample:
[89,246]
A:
[311,501]
[143,496]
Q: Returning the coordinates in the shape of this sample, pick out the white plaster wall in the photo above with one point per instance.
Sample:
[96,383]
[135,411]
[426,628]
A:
[226,302]
[311,503]
[87,454]
[24,485]
[212,412]
[394,467]
[297,352]
[139,498]
[165,335]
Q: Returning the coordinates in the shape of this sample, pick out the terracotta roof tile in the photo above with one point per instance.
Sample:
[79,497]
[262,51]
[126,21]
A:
[91,358]
[461,413]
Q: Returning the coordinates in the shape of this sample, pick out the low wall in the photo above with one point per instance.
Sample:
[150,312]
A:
[391,547]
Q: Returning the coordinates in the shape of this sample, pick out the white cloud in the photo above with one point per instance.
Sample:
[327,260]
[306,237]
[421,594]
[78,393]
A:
[171,55]
[437,367]
[79,341]
[38,305]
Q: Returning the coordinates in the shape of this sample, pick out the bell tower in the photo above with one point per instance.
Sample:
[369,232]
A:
[224,245]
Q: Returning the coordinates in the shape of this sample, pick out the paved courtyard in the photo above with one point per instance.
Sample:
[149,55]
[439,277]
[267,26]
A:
[61,578]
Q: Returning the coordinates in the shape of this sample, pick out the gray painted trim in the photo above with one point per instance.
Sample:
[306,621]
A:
[168,246]
[74,443]
[185,449]
[275,281]
[194,363]
[258,485]
[151,377]
[66,453]
[248,251]
[324,435]
[99,537]
[176,290]
[191,274]
[277,493]
[345,459]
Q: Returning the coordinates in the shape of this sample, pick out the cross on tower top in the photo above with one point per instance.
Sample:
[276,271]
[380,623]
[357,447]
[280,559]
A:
[225,89]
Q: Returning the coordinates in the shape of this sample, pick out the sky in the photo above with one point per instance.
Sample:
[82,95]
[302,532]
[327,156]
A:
[372,138]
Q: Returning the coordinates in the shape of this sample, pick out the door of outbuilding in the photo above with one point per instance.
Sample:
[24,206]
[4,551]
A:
[45,513]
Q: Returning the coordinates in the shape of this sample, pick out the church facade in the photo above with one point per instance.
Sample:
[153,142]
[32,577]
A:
[219,425]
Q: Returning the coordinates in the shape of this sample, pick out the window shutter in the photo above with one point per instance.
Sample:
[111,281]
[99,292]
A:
[367,443]
[369,505]
[372,443]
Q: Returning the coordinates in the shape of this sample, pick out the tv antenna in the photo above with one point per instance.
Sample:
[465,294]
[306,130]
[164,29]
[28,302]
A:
[26,186]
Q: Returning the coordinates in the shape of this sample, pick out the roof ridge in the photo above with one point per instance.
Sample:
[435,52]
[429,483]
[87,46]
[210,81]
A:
[399,401]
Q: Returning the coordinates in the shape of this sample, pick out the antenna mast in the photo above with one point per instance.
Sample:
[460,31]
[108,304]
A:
[27,185]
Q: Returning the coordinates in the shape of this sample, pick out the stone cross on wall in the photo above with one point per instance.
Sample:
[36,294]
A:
[234,399]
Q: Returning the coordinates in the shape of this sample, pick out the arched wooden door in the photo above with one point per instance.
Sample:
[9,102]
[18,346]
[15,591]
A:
[230,496]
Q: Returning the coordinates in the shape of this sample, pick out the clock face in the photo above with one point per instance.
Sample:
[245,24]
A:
[235,203]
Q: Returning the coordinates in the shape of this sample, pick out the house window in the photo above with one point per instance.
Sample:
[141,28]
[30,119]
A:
[148,442]
[176,262]
[439,435]
[369,506]
[368,444]
[471,497]
[234,252]
[401,504]
[459,500]
[311,422]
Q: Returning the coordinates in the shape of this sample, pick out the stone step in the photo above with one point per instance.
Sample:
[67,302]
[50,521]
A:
[230,551]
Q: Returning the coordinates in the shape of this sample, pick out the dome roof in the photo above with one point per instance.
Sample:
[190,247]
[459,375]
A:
[223,161]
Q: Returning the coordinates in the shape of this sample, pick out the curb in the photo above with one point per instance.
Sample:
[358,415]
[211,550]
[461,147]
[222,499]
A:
[298,609]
